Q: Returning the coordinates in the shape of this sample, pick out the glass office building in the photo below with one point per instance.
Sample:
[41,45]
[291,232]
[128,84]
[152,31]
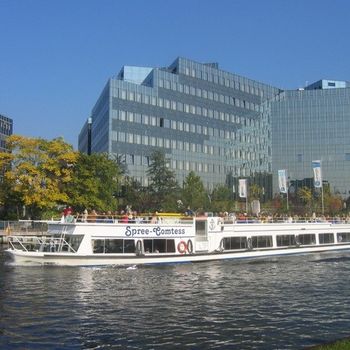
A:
[205,119]
[222,126]
[6,129]
[313,124]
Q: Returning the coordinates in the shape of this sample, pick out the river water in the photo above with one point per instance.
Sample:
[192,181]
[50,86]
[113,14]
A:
[275,303]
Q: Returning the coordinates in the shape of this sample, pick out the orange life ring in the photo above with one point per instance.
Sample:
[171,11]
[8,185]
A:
[181,247]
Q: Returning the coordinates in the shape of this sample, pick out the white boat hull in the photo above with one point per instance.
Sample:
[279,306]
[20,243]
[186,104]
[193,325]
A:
[73,259]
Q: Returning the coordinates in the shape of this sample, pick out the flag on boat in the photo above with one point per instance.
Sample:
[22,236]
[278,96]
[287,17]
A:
[282,180]
[243,188]
[316,166]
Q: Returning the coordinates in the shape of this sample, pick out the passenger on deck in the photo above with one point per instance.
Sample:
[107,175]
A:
[85,215]
[154,219]
[125,218]
[189,211]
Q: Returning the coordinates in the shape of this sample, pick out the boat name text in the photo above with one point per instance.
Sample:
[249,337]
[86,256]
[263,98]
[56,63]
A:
[131,232]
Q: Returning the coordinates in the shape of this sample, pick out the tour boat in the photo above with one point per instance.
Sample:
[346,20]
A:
[175,240]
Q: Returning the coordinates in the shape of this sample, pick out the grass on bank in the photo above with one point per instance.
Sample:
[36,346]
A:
[339,345]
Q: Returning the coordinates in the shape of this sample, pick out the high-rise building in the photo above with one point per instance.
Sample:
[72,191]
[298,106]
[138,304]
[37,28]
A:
[6,129]
[205,119]
[222,126]
[313,124]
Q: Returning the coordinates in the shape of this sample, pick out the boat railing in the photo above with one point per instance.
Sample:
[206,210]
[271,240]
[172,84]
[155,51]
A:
[164,218]
[286,220]
[175,218]
[40,244]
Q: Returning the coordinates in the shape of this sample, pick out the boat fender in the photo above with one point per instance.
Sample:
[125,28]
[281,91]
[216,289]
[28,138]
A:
[181,247]
[139,247]
[189,246]
[249,243]
[221,247]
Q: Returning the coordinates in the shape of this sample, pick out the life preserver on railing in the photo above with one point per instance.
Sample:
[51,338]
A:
[181,247]
[190,246]
[139,247]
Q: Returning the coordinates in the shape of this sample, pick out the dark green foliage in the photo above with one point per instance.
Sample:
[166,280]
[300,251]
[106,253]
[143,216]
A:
[163,188]
[194,194]
[94,183]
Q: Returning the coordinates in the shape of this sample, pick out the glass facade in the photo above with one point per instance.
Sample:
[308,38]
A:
[205,119]
[312,124]
[6,129]
[222,126]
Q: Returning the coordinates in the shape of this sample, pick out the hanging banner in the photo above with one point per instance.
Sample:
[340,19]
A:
[282,180]
[316,166]
[243,188]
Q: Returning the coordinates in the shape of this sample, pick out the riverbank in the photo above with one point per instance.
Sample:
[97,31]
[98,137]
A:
[338,345]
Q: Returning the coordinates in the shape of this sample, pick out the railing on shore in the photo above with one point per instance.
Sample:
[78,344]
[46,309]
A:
[21,227]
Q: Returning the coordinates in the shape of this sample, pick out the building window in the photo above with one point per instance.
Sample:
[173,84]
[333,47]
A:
[347,156]
[299,158]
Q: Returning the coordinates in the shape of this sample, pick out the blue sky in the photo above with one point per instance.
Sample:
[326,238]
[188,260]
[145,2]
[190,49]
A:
[57,55]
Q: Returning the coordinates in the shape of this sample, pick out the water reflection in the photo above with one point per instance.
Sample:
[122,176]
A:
[277,303]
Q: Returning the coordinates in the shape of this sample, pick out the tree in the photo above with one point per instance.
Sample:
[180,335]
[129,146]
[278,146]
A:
[163,185]
[221,199]
[255,192]
[94,184]
[305,195]
[194,194]
[36,172]
[135,195]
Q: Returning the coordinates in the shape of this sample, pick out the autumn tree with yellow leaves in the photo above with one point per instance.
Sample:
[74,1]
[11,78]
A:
[35,172]
[42,175]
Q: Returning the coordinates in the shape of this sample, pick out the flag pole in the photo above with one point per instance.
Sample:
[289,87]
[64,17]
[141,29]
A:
[318,182]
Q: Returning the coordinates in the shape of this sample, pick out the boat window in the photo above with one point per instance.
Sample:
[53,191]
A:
[235,243]
[343,236]
[325,238]
[129,246]
[74,241]
[113,246]
[98,245]
[261,241]
[200,227]
[110,246]
[307,239]
[159,245]
[285,240]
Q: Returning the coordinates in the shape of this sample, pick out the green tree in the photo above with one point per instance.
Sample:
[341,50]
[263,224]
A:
[255,192]
[94,183]
[305,195]
[163,186]
[36,172]
[194,194]
[221,199]
[135,195]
